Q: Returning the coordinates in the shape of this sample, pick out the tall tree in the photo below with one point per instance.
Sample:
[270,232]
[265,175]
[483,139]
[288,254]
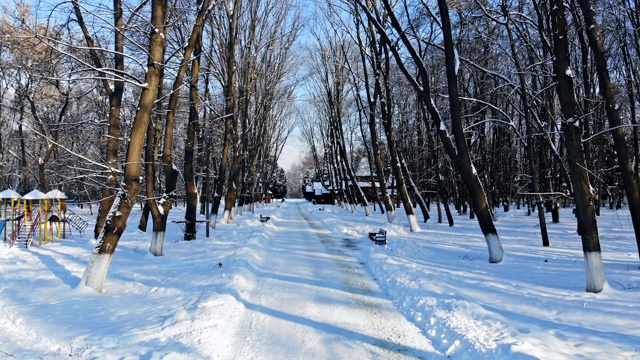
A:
[384,87]
[190,143]
[114,91]
[170,171]
[332,85]
[228,45]
[526,113]
[116,220]
[585,212]
[458,153]
[607,89]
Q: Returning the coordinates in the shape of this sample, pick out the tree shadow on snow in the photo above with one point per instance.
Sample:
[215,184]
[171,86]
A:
[355,337]
[58,270]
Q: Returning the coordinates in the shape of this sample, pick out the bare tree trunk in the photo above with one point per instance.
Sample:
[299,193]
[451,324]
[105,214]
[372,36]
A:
[151,156]
[144,218]
[340,177]
[526,110]
[171,175]
[151,160]
[467,170]
[355,187]
[385,100]
[372,99]
[442,194]
[374,185]
[587,226]
[116,221]
[630,82]
[232,185]
[399,176]
[414,189]
[629,177]
[229,90]
[458,154]
[115,94]
[192,129]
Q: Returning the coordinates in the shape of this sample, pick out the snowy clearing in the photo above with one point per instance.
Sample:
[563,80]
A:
[309,284]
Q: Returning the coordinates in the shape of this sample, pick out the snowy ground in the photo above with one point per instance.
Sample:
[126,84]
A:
[309,284]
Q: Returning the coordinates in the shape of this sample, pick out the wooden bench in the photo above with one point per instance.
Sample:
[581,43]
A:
[182,224]
[264,218]
[379,237]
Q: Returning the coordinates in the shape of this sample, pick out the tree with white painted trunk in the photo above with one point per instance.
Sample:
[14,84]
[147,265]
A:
[227,42]
[456,150]
[612,109]
[116,220]
[582,190]
[160,209]
[384,87]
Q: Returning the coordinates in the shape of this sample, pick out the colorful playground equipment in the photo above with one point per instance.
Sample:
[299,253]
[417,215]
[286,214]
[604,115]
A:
[34,215]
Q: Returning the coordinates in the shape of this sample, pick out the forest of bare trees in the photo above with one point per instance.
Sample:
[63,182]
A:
[480,105]
[460,106]
[148,103]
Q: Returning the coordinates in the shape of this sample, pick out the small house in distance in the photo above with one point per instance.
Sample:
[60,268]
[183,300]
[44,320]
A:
[365,179]
[319,193]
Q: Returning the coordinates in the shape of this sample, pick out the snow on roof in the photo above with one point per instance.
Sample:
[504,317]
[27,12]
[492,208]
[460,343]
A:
[56,194]
[10,194]
[35,195]
[318,188]
[367,184]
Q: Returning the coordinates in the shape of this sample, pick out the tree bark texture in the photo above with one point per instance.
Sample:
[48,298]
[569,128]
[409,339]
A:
[629,177]
[587,226]
[116,221]
[170,173]
[467,170]
[189,149]
[115,93]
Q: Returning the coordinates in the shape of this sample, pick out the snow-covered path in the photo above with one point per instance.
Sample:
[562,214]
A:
[313,300]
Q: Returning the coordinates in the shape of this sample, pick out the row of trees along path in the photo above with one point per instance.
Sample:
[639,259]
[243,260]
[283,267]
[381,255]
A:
[472,103]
